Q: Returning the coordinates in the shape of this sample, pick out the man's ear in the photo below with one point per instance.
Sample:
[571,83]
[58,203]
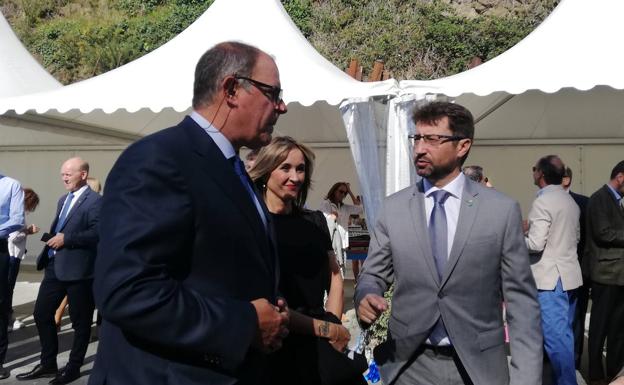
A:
[463,147]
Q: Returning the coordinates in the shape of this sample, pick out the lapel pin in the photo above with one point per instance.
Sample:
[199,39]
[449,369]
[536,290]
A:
[469,202]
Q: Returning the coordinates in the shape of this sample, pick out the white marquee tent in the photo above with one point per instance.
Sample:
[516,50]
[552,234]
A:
[557,91]
[98,117]
[20,73]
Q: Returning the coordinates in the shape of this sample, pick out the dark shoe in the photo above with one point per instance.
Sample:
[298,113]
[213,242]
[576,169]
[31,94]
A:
[4,373]
[38,372]
[66,376]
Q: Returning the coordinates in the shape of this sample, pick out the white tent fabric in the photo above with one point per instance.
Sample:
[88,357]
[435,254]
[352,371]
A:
[98,117]
[557,91]
[576,46]
[20,73]
[163,78]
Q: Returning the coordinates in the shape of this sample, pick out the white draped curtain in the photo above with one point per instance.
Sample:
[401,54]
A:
[365,121]
[377,130]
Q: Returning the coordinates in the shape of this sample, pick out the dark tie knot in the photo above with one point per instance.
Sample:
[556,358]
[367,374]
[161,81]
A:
[440,196]
[239,167]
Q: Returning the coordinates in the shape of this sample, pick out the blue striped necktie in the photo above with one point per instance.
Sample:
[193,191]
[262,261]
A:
[61,219]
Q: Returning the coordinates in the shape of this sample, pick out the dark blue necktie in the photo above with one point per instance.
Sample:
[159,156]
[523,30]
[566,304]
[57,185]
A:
[62,217]
[438,233]
[239,168]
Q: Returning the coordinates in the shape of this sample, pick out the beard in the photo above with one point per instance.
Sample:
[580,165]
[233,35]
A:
[435,172]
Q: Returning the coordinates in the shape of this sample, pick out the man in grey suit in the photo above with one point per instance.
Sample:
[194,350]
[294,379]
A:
[552,235]
[452,248]
[605,250]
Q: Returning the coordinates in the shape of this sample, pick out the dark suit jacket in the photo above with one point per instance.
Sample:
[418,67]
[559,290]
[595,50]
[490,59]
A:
[75,260]
[605,238]
[183,251]
[581,202]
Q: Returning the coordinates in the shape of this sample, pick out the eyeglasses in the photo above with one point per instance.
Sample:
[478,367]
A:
[434,139]
[274,93]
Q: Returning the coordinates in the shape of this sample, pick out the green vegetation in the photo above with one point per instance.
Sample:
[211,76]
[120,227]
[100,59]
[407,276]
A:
[417,39]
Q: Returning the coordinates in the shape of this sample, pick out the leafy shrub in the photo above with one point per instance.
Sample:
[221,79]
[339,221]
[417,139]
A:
[416,39]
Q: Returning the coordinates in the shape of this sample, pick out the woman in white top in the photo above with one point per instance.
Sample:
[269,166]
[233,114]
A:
[336,210]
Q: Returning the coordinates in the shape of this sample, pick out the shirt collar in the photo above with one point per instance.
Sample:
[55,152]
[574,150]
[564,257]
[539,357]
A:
[220,140]
[549,187]
[454,187]
[79,192]
[615,193]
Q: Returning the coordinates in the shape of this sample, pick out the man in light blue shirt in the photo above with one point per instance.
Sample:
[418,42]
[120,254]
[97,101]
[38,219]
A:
[11,219]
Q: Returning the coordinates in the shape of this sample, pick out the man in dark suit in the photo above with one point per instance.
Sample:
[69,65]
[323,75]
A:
[186,278]
[453,249]
[582,292]
[605,250]
[68,258]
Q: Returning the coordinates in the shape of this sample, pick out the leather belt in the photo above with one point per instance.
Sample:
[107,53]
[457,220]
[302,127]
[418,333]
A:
[447,351]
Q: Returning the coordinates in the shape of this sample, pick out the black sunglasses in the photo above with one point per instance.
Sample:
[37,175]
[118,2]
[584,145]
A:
[274,93]
[434,139]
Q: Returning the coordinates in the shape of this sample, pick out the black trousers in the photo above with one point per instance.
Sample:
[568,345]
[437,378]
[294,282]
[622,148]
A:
[5,299]
[606,322]
[81,305]
[582,301]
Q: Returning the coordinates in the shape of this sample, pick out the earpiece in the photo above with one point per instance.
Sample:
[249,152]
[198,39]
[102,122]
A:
[231,91]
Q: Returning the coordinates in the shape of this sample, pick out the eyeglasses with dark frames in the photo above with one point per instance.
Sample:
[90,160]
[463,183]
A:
[274,93]
[434,139]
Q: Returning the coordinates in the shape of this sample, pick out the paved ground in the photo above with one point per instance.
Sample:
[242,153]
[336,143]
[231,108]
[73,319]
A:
[24,346]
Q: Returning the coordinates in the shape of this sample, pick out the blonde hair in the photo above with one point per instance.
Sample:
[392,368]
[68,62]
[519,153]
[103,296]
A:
[275,153]
[94,184]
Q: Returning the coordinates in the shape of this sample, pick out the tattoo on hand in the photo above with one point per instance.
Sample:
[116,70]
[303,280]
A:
[324,329]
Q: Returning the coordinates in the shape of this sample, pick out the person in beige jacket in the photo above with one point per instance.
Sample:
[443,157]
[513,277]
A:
[552,235]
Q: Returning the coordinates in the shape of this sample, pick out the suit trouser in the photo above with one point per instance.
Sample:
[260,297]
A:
[81,305]
[582,300]
[430,368]
[4,300]
[558,309]
[14,267]
[606,320]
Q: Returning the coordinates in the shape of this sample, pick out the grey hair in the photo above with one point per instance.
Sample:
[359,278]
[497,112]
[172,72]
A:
[222,60]
[474,172]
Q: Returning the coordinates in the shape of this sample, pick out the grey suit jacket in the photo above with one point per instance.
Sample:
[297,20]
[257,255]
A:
[488,258]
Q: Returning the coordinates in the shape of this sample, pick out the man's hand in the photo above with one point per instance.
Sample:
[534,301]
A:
[525,227]
[272,324]
[32,229]
[371,307]
[617,381]
[57,241]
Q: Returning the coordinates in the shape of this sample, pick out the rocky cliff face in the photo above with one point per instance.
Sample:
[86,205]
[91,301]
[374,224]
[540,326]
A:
[474,8]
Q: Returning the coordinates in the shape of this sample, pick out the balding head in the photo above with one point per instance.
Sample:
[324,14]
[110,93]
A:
[549,170]
[74,173]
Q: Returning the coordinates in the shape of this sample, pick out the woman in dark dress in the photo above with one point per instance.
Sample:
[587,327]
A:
[308,268]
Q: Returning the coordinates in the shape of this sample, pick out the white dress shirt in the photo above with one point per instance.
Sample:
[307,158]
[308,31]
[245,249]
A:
[451,206]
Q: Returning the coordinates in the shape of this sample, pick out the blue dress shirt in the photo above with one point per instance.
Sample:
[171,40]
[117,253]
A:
[11,206]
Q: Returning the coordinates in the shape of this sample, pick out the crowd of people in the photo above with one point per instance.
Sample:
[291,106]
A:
[206,270]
